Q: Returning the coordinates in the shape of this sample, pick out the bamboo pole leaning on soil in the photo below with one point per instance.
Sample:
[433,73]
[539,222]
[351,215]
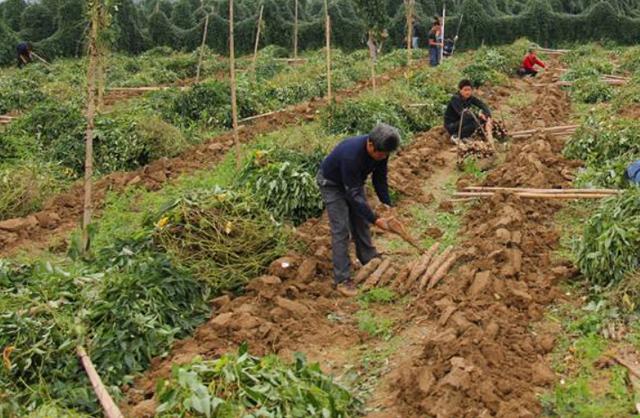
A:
[234,101]
[542,196]
[551,130]
[109,406]
[550,191]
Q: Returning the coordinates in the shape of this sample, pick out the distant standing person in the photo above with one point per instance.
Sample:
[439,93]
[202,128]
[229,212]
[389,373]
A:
[529,63]
[415,36]
[341,178]
[459,119]
[24,54]
[435,43]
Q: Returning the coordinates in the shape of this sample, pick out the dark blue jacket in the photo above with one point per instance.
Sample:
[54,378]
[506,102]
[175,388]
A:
[348,166]
[633,172]
[23,49]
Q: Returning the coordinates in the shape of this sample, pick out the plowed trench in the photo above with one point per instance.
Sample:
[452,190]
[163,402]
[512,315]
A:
[462,349]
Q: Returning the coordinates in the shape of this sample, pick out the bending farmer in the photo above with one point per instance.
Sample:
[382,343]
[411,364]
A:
[341,179]
[529,63]
[24,54]
[459,119]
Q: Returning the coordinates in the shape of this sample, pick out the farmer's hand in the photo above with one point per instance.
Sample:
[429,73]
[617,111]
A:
[382,223]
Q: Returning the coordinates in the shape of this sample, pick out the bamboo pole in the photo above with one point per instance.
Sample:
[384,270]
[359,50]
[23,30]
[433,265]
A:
[409,13]
[234,102]
[327,33]
[548,196]
[372,60]
[550,191]
[444,17]
[295,30]
[255,48]
[109,406]
[90,116]
[551,129]
[202,45]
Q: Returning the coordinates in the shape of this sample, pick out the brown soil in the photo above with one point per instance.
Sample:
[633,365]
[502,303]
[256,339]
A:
[481,358]
[66,208]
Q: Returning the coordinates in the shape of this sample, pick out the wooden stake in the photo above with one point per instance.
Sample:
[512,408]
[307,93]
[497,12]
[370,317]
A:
[544,196]
[372,60]
[110,408]
[202,45]
[550,191]
[255,48]
[295,30]
[327,33]
[234,102]
[90,116]
[408,4]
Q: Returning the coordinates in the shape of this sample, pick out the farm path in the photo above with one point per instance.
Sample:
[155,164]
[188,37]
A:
[466,348]
[62,213]
[483,352]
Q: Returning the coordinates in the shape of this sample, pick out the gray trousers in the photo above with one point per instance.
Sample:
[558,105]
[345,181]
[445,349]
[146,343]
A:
[345,223]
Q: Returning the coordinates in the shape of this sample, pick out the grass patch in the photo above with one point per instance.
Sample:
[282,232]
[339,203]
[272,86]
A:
[378,295]
[374,325]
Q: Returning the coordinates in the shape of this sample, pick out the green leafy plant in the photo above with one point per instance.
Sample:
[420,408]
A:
[224,238]
[610,245]
[244,385]
[24,188]
[284,182]
[591,90]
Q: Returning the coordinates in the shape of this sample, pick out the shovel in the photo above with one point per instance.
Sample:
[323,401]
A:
[399,229]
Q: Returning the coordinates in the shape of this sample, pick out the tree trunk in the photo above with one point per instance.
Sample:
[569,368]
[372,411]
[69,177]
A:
[234,103]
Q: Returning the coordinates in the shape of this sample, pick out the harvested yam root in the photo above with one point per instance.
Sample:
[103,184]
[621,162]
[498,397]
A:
[422,264]
[442,271]
[375,277]
[433,267]
[367,269]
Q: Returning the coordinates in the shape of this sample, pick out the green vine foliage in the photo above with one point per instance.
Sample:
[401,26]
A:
[138,26]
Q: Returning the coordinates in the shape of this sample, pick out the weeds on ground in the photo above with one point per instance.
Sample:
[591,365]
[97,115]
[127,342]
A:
[374,325]
[377,295]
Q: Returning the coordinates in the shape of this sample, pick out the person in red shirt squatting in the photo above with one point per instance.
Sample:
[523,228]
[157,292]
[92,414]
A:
[529,63]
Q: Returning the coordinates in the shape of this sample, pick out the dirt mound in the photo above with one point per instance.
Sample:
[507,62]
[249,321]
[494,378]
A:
[275,315]
[483,359]
[537,163]
[409,168]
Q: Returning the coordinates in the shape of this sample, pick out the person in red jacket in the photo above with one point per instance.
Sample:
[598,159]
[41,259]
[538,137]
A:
[529,63]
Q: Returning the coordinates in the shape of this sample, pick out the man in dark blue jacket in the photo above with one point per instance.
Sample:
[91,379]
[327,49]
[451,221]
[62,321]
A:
[341,179]
[24,54]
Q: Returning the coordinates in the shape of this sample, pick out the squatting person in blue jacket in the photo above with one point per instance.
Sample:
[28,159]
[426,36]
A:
[341,178]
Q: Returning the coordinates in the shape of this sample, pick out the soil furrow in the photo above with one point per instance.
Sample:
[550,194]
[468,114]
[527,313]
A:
[62,212]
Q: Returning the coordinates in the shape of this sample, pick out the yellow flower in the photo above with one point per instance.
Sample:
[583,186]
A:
[162,222]
[228,227]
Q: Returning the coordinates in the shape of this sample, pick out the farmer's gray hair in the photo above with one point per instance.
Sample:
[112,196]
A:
[385,138]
